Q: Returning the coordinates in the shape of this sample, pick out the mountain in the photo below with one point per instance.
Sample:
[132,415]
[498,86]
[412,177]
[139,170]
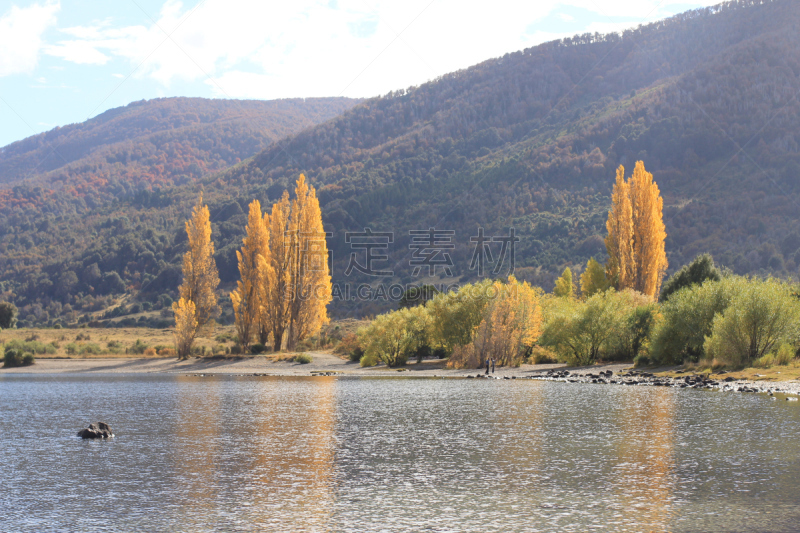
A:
[154,143]
[531,140]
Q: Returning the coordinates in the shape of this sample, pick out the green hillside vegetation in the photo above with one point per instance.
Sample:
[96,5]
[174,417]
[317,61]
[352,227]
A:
[530,140]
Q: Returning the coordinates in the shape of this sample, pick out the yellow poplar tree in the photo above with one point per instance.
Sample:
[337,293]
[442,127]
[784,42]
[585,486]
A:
[185,327]
[200,277]
[650,258]
[593,279]
[565,288]
[310,281]
[636,234]
[619,242]
[274,271]
[245,298]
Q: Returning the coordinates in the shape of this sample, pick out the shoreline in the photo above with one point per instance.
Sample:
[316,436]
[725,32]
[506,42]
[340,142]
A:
[327,364]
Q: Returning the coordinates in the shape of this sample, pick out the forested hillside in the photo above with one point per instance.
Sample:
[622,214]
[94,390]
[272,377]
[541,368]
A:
[150,144]
[531,141]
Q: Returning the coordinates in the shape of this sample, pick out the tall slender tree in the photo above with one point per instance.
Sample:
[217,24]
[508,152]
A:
[310,289]
[200,277]
[649,233]
[636,233]
[619,242]
[274,271]
[245,298]
[185,327]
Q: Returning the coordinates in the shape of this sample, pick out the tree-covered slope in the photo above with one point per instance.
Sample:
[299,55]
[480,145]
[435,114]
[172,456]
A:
[152,143]
[530,141]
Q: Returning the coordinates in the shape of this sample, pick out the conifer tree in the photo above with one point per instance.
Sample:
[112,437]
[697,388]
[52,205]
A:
[245,298]
[565,288]
[200,277]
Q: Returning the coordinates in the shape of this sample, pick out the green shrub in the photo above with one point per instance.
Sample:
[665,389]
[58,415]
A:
[235,350]
[368,360]
[687,319]
[92,349]
[32,346]
[782,357]
[224,337]
[257,348]
[138,347]
[580,332]
[542,356]
[219,349]
[700,270]
[785,355]
[12,358]
[302,358]
[642,360]
[764,362]
[394,337]
[75,348]
[762,315]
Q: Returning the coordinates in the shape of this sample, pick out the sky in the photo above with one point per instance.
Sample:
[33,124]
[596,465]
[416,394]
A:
[65,61]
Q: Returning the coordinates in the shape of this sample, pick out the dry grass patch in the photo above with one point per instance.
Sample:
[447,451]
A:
[89,343]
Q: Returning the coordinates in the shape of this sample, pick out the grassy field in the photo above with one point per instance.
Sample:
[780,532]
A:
[110,342]
[144,342]
[775,373]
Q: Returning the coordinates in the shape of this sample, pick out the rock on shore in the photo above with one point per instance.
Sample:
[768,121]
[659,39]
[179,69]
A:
[633,377]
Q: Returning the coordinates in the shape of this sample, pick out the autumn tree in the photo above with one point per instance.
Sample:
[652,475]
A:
[200,277]
[619,242]
[310,289]
[593,279]
[245,298]
[274,271]
[512,323]
[636,233]
[565,288]
[185,327]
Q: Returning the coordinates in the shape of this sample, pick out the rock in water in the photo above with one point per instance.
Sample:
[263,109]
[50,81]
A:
[101,430]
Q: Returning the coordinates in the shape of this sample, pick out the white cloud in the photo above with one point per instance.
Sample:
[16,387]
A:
[21,32]
[272,49]
[79,51]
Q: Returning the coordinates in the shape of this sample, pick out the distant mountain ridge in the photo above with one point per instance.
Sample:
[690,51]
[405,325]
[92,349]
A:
[159,142]
[706,99]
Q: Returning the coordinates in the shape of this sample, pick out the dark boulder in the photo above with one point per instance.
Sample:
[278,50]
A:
[100,430]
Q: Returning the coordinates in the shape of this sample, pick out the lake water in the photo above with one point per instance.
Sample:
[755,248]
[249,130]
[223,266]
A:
[230,453]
